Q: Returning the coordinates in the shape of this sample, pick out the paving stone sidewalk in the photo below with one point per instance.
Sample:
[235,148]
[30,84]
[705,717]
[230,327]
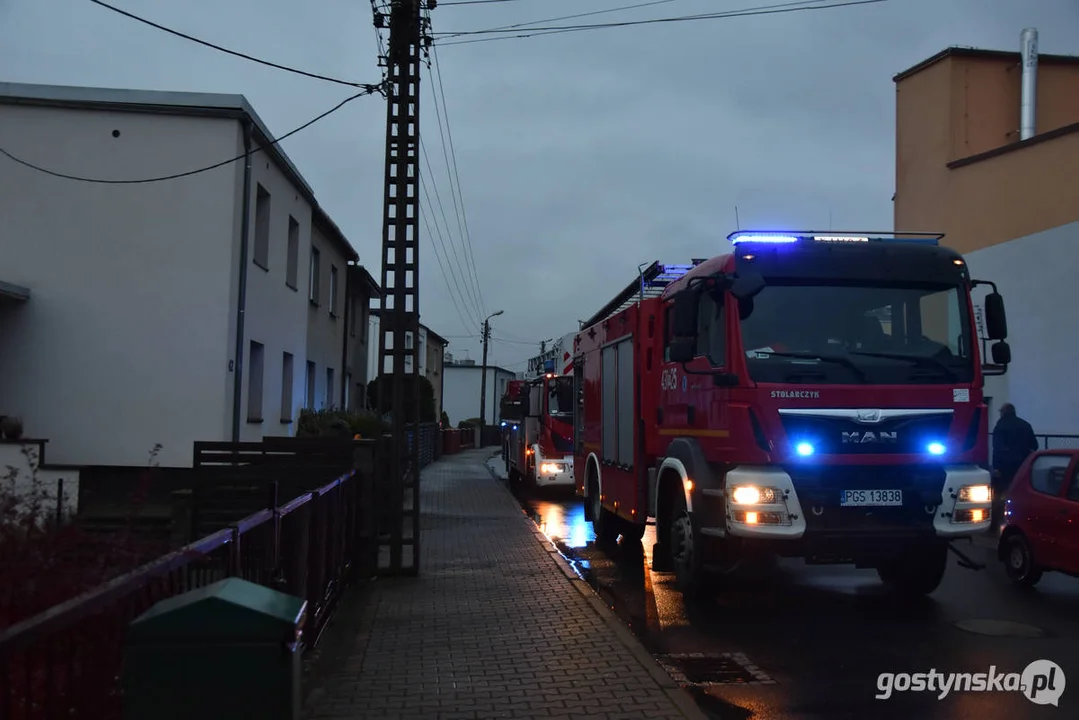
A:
[493,627]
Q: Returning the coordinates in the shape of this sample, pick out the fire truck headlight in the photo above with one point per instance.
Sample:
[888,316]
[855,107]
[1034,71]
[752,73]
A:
[753,495]
[975,494]
[551,468]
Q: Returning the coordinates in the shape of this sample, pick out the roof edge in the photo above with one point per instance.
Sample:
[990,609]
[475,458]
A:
[973,52]
[366,278]
[227,106]
[447,366]
[1012,147]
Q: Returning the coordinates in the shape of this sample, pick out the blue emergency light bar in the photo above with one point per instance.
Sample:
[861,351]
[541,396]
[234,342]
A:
[812,236]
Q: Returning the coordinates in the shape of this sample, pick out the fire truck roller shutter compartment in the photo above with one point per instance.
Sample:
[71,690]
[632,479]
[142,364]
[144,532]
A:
[618,410]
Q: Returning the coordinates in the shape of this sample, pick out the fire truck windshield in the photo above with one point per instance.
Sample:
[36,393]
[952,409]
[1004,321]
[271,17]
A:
[847,333]
[560,396]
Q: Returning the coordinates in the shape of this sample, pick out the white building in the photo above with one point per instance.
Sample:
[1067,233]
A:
[431,354]
[134,308]
[461,400]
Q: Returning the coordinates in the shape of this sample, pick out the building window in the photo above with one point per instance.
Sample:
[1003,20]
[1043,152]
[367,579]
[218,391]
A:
[292,268]
[329,388]
[262,227]
[313,281]
[254,382]
[347,387]
[361,396]
[333,290]
[356,306]
[309,394]
[286,387]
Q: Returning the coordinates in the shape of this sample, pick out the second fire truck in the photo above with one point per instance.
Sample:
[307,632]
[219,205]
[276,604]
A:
[539,448]
[810,395]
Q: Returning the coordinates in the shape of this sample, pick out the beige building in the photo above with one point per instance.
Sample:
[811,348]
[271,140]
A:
[987,152]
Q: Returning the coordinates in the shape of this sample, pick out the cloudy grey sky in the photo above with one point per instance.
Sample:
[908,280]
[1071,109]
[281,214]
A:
[580,155]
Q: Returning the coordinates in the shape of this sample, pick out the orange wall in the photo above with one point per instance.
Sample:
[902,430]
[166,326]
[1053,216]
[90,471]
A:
[963,106]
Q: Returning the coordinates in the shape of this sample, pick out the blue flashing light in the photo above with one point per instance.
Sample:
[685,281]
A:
[936,448]
[504,423]
[744,237]
[804,449]
[514,427]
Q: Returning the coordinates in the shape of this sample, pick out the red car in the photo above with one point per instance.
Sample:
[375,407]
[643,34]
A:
[1040,531]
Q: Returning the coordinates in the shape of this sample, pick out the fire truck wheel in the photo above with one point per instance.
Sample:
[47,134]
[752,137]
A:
[685,549]
[917,571]
[604,522]
[632,532]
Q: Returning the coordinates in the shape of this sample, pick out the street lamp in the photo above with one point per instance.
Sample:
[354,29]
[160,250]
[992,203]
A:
[483,376]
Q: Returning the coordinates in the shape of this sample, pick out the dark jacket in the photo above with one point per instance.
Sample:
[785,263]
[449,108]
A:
[1013,441]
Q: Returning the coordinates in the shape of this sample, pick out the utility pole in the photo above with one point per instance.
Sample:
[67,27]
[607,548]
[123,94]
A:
[483,376]
[400,312]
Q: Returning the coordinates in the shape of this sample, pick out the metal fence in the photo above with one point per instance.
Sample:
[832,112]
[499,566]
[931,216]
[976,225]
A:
[67,662]
[430,442]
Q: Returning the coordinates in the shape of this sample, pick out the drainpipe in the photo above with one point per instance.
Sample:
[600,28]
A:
[441,382]
[346,378]
[241,299]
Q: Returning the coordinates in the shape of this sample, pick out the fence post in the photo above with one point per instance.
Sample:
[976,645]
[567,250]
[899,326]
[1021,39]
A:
[235,559]
[59,501]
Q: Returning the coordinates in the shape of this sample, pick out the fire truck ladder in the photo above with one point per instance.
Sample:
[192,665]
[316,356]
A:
[649,284]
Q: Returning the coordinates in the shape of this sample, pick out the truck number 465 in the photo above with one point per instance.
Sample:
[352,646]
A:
[669,379]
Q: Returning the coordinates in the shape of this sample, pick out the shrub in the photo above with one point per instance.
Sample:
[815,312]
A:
[471,422]
[334,422]
[47,560]
[384,404]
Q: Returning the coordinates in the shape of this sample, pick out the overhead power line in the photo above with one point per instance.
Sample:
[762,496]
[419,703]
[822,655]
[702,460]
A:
[227,51]
[620,8]
[450,3]
[503,34]
[176,176]
[459,200]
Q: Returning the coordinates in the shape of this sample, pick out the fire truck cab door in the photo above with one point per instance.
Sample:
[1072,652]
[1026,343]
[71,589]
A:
[692,404]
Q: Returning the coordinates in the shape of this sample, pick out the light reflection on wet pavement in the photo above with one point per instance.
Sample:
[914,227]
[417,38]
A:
[825,633]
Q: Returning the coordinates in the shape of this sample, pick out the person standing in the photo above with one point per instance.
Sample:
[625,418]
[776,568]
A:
[1013,442]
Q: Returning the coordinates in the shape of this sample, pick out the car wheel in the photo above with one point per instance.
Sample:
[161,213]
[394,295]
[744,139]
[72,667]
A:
[1019,561]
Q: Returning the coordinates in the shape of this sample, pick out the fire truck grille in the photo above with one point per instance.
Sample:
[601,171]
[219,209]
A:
[840,436]
[820,491]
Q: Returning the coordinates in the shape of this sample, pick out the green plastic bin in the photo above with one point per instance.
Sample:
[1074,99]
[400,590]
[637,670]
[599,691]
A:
[227,650]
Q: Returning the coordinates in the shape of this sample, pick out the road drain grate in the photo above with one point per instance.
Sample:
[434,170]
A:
[702,669]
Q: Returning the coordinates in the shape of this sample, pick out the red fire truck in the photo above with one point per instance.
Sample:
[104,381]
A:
[513,408]
[539,449]
[812,395]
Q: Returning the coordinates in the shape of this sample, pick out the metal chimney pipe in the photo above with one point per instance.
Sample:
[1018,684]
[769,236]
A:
[1027,104]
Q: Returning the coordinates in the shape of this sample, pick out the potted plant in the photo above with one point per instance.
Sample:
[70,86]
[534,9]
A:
[11,427]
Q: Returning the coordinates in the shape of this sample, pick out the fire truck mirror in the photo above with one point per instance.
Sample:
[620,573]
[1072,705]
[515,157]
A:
[747,285]
[682,349]
[1002,353]
[996,323]
[684,324]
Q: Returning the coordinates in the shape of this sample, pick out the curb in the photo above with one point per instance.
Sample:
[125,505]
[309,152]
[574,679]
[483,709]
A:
[680,697]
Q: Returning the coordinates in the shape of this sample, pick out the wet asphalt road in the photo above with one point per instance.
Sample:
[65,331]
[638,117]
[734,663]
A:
[822,635]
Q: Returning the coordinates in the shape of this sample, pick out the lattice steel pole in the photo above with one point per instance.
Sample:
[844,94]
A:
[399,316]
